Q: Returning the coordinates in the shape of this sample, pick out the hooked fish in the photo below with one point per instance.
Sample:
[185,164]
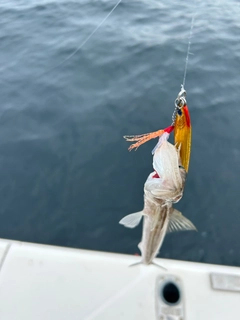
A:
[162,188]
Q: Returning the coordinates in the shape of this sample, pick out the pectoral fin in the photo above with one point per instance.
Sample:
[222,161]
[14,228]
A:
[131,220]
[178,222]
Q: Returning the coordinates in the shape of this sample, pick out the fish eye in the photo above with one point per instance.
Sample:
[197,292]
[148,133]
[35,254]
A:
[179,111]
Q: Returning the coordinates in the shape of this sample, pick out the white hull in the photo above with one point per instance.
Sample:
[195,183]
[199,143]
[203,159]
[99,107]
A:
[44,282]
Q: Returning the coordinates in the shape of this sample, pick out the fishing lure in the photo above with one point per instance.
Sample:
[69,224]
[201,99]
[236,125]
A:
[181,125]
[183,128]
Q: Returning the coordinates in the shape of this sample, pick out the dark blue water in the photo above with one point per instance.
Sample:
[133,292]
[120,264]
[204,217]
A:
[66,175]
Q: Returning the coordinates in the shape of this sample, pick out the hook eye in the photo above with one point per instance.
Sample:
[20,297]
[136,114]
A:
[180,102]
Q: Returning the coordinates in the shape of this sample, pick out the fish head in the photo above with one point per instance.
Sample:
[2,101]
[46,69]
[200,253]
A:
[167,164]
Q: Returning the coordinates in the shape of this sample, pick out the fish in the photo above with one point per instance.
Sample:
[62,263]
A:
[163,187]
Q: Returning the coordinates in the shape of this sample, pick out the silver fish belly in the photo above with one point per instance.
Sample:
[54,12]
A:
[155,224]
[158,209]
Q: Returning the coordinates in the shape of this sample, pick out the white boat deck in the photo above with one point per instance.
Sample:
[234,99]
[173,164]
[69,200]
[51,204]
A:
[44,282]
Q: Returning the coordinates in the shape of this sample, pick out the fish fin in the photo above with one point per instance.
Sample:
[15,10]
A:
[153,263]
[131,220]
[135,264]
[178,222]
[158,265]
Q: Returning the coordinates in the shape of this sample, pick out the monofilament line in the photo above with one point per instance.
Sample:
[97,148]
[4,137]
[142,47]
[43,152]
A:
[86,40]
[188,51]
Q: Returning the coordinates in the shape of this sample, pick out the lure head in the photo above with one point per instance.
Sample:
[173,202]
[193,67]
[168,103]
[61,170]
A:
[181,101]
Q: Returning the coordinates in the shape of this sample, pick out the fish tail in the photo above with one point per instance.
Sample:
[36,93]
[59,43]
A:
[158,265]
[153,263]
[135,264]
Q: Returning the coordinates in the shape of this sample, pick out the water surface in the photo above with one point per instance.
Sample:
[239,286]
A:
[66,175]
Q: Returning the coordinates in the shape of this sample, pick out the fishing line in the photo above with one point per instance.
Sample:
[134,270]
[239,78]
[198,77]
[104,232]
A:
[84,42]
[181,98]
[188,51]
